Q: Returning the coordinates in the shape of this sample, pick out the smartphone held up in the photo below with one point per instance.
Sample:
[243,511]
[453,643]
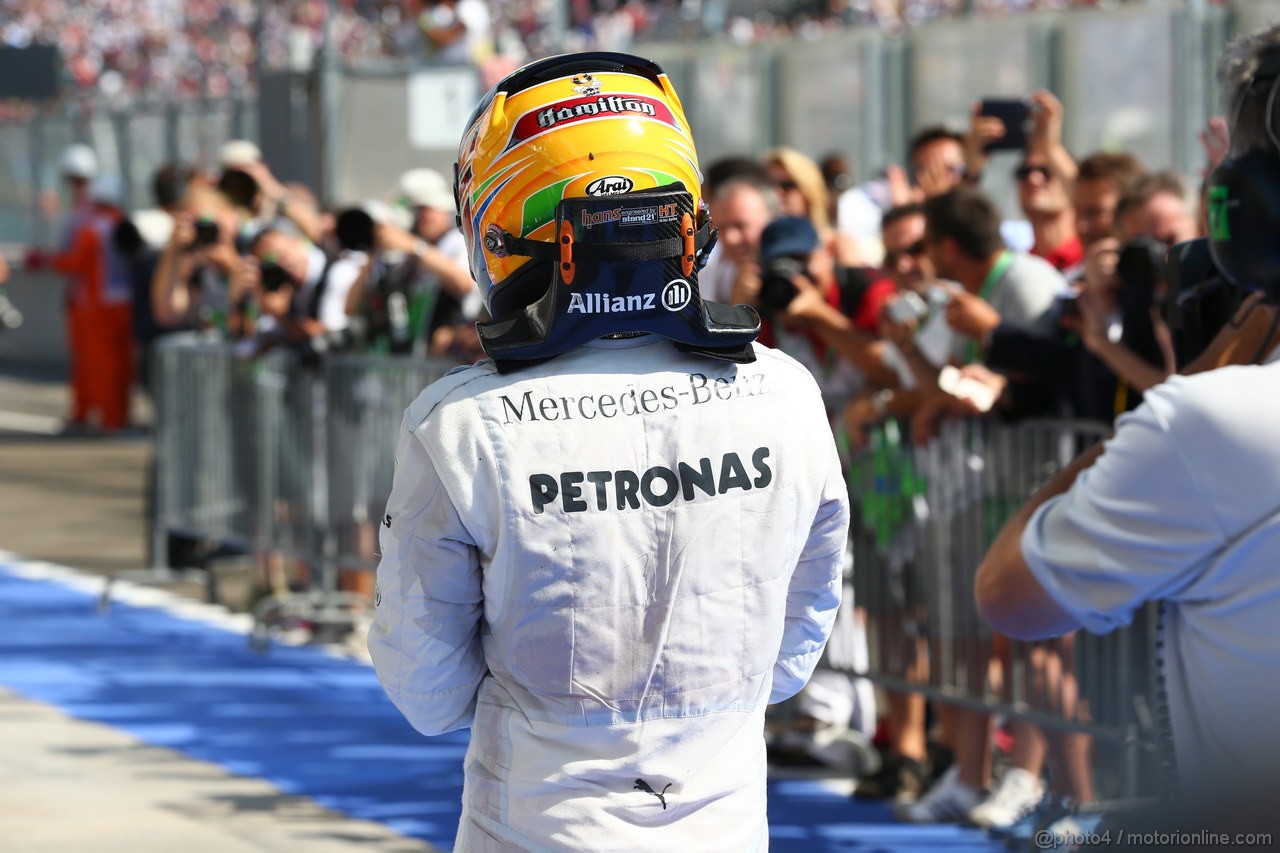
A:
[1015,115]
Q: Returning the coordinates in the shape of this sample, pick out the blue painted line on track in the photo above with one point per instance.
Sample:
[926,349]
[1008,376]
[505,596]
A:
[316,725]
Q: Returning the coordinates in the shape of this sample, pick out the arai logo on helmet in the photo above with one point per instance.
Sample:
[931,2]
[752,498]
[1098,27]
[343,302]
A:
[610,185]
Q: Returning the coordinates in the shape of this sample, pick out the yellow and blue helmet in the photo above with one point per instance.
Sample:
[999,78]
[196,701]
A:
[579,196]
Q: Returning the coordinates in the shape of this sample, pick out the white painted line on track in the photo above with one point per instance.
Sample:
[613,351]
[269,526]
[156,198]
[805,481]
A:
[22,422]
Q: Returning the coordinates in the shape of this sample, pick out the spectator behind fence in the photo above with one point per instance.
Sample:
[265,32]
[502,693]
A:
[741,207]
[720,276]
[1044,178]
[913,327]
[1071,379]
[249,185]
[853,211]
[940,160]
[474,626]
[426,268]
[821,314]
[1101,180]
[1179,508]
[802,191]
[963,241]
[964,245]
[198,282]
[303,291]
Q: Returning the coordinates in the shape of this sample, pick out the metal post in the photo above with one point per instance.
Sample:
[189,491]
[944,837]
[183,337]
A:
[173,150]
[873,128]
[559,25]
[163,461]
[39,149]
[327,91]
[124,154]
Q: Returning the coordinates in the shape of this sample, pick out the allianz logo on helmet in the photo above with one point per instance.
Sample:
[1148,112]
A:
[603,303]
[675,296]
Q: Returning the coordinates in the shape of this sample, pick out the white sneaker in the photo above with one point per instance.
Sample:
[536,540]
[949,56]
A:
[1015,796]
[948,801]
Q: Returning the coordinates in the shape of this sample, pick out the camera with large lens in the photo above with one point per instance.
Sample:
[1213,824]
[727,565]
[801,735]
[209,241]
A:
[1142,271]
[207,233]
[776,286]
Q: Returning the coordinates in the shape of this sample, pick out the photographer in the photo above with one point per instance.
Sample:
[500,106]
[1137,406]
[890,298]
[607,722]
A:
[193,285]
[416,287]
[819,310]
[1065,376]
[1179,506]
[249,185]
[741,207]
[301,290]
[1125,284]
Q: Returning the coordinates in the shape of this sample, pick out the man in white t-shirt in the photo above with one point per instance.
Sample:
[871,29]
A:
[1179,507]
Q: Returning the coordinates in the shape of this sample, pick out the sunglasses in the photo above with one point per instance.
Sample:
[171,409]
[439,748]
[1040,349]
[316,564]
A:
[786,185]
[1024,172]
[915,250]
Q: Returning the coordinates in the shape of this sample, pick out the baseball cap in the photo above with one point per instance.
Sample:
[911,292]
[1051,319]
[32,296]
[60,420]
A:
[788,237]
[383,213]
[426,188]
[238,153]
[78,161]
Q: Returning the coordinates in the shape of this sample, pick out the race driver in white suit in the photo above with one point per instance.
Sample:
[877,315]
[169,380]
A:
[610,545]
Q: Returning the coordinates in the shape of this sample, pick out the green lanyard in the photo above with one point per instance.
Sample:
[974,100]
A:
[997,272]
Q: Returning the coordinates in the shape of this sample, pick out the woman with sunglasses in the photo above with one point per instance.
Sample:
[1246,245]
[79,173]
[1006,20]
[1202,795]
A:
[802,191]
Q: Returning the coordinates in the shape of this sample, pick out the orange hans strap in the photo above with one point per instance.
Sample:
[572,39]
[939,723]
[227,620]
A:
[690,245]
[567,266]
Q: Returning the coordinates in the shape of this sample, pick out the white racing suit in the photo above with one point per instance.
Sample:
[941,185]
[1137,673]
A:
[607,565]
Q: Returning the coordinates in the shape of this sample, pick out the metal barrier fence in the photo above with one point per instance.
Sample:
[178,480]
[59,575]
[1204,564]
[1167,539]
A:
[272,454]
[924,518]
[280,456]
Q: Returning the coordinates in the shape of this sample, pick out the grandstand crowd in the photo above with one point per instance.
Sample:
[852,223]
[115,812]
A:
[914,299]
[186,48]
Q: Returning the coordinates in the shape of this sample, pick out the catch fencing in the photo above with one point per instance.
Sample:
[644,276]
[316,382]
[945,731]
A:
[278,455]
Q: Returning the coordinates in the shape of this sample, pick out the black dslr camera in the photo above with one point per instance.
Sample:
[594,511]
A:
[776,288]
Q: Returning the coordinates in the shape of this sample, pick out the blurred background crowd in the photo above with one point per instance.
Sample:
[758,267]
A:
[130,48]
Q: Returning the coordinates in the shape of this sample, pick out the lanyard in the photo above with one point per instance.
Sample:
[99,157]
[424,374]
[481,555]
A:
[989,283]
